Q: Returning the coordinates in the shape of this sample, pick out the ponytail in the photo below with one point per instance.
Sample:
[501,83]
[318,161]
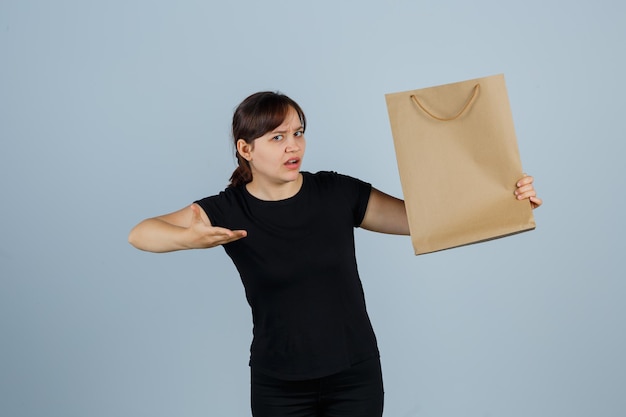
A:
[242,174]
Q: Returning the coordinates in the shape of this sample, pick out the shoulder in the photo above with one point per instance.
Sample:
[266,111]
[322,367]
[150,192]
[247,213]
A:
[228,194]
[224,202]
[340,188]
[334,178]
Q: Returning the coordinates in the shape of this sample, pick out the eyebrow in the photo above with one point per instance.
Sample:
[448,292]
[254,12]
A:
[286,131]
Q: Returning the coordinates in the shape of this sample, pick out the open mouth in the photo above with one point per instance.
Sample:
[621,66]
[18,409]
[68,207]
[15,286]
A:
[293,162]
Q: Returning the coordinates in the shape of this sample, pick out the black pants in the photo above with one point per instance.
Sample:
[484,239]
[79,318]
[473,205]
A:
[355,392]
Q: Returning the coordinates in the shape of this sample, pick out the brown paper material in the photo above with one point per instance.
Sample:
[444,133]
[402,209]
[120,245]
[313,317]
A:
[459,162]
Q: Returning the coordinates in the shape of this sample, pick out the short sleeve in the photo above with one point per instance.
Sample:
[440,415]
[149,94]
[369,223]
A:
[354,192]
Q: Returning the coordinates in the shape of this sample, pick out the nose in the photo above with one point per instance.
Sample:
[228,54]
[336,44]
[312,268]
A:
[292,144]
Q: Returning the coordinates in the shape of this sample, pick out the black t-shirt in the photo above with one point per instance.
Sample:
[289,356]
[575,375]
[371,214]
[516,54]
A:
[299,271]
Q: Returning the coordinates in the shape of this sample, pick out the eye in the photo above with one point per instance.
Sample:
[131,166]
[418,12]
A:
[299,133]
[277,138]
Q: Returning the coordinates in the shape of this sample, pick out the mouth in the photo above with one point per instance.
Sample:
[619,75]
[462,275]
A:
[292,163]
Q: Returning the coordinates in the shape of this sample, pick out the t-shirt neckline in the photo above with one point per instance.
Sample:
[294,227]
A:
[251,197]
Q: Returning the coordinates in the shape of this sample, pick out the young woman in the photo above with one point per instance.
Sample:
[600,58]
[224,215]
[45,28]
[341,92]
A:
[290,234]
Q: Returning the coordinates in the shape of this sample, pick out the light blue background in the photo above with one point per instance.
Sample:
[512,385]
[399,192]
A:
[114,111]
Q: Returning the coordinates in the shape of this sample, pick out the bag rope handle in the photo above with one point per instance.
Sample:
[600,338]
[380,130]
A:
[456,116]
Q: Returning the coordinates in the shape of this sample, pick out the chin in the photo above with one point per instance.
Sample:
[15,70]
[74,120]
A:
[293,176]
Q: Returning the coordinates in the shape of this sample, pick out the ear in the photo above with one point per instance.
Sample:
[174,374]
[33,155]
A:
[244,149]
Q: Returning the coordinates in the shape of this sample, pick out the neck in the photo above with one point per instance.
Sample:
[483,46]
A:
[274,191]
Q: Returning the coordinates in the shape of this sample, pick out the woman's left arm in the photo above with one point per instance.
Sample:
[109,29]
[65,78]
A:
[387,214]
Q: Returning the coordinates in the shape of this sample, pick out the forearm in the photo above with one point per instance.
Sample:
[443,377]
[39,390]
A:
[385,214]
[396,220]
[156,235]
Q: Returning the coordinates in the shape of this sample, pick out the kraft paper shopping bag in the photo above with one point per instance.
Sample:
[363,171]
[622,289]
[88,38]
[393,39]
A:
[459,162]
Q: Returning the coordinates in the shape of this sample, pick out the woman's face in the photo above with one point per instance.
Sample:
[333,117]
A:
[276,157]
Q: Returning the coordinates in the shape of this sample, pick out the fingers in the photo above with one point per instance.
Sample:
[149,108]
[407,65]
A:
[225,236]
[227,233]
[235,235]
[526,190]
[215,236]
[535,202]
[525,180]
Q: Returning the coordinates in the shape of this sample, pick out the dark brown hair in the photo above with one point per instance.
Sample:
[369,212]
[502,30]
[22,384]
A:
[258,114]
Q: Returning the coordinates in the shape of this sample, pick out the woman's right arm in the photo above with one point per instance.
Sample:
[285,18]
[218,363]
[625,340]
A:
[188,228]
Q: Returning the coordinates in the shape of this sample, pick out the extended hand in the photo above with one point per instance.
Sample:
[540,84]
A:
[203,235]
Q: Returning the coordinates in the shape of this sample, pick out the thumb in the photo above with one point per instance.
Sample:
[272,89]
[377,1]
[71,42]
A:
[195,214]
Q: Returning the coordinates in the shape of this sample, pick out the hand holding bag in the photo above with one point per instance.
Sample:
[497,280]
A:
[459,163]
